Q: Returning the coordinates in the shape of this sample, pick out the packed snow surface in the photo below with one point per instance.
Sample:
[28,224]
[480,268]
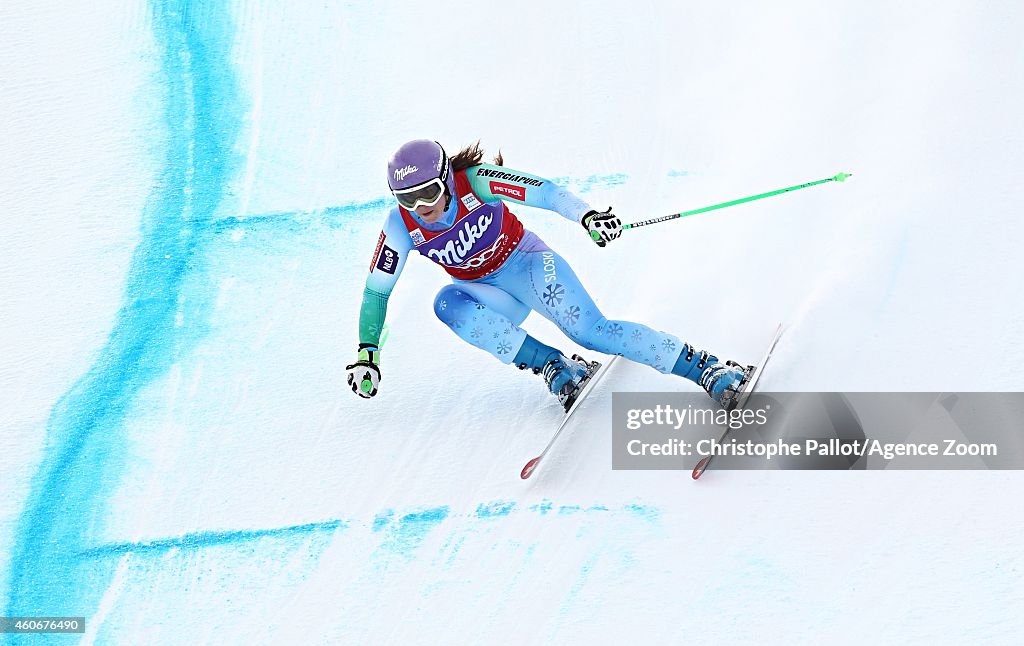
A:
[192,194]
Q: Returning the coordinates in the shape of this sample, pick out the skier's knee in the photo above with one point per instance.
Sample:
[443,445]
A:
[449,297]
[585,341]
[579,337]
[590,337]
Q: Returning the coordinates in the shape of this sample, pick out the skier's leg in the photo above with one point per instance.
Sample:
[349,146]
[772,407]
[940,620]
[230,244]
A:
[483,316]
[496,299]
[489,318]
[548,284]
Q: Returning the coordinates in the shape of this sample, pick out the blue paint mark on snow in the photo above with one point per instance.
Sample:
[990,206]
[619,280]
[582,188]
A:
[409,532]
[382,519]
[644,511]
[85,435]
[591,183]
[495,509]
[54,562]
[200,540]
[406,532]
[427,517]
[543,508]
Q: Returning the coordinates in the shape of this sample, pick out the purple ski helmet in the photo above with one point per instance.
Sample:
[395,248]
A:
[419,172]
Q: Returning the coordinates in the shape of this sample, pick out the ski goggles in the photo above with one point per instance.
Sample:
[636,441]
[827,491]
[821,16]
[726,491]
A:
[427,194]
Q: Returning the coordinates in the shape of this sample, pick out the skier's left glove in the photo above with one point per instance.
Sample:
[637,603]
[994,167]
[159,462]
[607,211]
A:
[364,374]
[603,226]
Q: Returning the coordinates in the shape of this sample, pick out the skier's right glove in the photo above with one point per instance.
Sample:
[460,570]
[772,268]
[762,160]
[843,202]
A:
[603,226]
[364,374]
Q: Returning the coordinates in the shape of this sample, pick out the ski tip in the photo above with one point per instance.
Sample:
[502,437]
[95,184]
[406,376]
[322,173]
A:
[698,470]
[529,468]
[841,177]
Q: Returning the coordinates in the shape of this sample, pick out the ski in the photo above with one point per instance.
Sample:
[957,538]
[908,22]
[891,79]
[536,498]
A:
[748,390]
[586,389]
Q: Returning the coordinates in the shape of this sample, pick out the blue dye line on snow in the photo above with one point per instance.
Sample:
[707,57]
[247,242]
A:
[382,520]
[645,512]
[402,534]
[331,215]
[85,434]
[51,567]
[427,518]
[592,182]
[542,508]
[407,534]
[495,509]
[201,540]
[345,213]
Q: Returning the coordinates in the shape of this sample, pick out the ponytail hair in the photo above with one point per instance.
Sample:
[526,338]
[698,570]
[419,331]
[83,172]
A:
[472,155]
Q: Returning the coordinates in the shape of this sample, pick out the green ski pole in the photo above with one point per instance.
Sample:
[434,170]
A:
[839,177]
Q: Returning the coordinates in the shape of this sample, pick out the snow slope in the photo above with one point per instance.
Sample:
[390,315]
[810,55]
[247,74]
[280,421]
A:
[193,194]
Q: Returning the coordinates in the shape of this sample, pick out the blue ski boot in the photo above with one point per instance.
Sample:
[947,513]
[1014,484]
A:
[564,377]
[723,381]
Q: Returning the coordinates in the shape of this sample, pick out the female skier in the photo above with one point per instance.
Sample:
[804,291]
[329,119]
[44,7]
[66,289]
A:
[453,212]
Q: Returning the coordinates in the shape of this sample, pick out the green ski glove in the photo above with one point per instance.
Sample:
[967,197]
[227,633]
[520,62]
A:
[364,374]
[603,226]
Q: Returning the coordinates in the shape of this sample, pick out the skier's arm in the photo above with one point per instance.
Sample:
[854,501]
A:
[390,254]
[492,182]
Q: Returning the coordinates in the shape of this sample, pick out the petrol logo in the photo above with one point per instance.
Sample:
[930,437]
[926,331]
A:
[509,190]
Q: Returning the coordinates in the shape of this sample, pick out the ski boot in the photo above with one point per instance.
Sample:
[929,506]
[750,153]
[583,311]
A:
[566,378]
[725,381]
